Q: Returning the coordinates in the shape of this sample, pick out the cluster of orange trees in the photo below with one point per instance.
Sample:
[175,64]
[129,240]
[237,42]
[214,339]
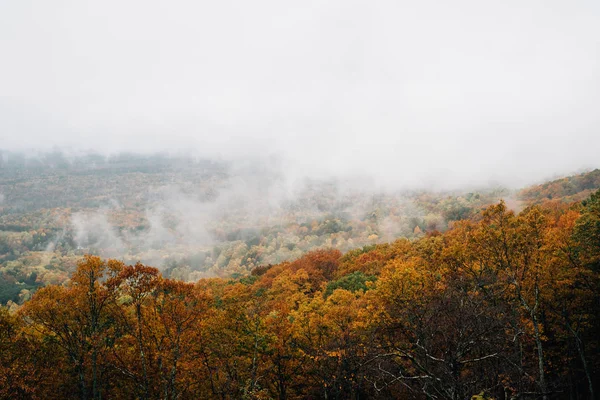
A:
[503,307]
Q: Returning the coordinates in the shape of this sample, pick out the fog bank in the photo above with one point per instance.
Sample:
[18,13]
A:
[401,94]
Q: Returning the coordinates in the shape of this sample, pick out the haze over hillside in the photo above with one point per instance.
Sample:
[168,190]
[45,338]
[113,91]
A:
[194,217]
[437,294]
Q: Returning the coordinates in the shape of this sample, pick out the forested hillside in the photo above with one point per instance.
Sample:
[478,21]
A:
[193,218]
[568,189]
[502,306]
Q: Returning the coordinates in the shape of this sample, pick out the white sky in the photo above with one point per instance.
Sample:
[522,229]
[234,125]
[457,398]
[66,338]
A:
[408,92]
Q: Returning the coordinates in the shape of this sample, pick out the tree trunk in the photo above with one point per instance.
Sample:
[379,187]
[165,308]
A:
[82,391]
[138,312]
[540,351]
[95,373]
[538,343]
[584,362]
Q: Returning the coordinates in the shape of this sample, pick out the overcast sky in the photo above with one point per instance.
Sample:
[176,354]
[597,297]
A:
[408,92]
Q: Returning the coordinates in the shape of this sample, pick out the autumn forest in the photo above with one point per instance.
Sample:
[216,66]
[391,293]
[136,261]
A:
[471,297]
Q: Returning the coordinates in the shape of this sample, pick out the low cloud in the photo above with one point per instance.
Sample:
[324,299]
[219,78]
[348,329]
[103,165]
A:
[402,94]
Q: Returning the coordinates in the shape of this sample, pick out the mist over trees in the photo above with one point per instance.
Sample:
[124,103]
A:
[501,306]
[193,217]
[174,277]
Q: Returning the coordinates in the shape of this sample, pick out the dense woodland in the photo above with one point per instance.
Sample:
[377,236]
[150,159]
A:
[504,305]
[192,218]
[195,218]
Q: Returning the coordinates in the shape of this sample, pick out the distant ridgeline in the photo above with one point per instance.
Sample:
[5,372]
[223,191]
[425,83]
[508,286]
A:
[572,188]
[503,306]
[51,180]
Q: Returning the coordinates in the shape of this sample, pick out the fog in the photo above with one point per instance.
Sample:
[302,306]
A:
[396,93]
[213,218]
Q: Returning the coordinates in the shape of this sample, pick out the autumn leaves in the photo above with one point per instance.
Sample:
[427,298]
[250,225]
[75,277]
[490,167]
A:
[505,306]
